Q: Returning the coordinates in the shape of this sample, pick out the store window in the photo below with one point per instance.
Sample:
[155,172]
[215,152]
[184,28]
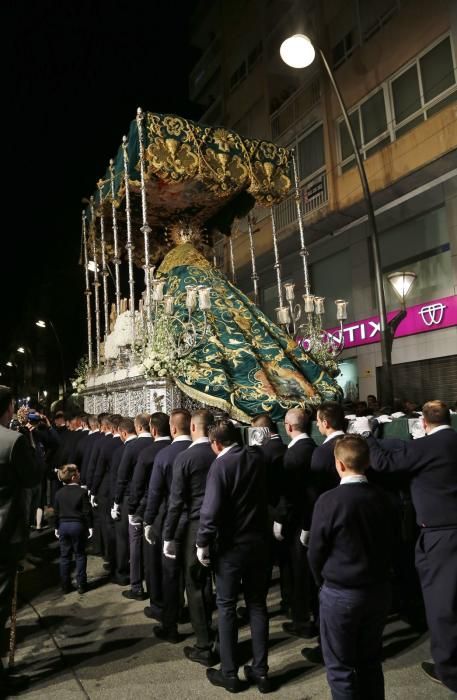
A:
[348,379]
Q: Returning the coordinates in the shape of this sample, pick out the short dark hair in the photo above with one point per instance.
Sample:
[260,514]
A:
[115,419]
[6,396]
[161,422]
[180,417]
[436,413]
[67,472]
[101,416]
[142,420]
[203,418]
[92,420]
[223,431]
[60,414]
[127,425]
[105,420]
[263,420]
[353,452]
[333,413]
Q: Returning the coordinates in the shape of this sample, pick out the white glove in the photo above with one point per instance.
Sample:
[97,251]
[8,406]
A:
[134,520]
[56,533]
[304,538]
[116,511]
[203,556]
[360,425]
[91,532]
[384,419]
[169,549]
[277,531]
[148,536]
[83,486]
[93,502]
[88,492]
[398,414]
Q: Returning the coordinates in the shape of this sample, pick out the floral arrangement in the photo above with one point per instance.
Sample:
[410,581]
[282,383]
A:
[159,357]
[79,381]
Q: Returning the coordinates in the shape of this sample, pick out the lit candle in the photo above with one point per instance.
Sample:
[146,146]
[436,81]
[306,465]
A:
[283,315]
[169,304]
[341,309]
[204,298]
[191,298]
[319,305]
[157,290]
[308,300]
[289,290]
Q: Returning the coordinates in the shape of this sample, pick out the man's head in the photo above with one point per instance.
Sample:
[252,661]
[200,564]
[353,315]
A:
[100,417]
[296,421]
[330,417]
[179,422]
[160,424]
[6,405]
[352,455]
[59,419]
[126,429]
[263,420]
[105,423]
[69,474]
[115,419]
[142,423]
[75,422]
[84,418]
[93,422]
[222,434]
[434,414]
[200,423]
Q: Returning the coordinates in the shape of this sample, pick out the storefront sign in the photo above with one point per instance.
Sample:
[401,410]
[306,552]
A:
[430,316]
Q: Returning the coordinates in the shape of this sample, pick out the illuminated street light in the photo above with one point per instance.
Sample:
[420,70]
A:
[297,51]
[21,350]
[40,324]
[9,364]
[402,283]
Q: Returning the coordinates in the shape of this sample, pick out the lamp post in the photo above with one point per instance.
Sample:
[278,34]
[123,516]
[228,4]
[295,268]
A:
[43,324]
[298,52]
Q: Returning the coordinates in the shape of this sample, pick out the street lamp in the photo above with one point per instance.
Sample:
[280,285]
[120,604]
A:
[298,51]
[43,324]
[9,364]
[21,350]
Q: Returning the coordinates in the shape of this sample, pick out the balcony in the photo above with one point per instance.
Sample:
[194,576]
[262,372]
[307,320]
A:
[314,196]
[204,69]
[295,107]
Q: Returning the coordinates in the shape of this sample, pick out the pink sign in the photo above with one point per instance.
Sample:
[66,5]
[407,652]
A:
[431,316]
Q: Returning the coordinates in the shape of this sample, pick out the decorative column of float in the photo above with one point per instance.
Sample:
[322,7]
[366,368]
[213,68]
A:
[104,268]
[232,259]
[116,260]
[254,275]
[303,250]
[96,283]
[145,228]
[277,266]
[129,245]
[87,291]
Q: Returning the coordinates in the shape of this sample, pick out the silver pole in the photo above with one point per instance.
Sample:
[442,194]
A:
[117,261]
[232,259]
[303,250]
[129,245]
[96,284]
[104,269]
[87,292]
[254,276]
[277,265]
[145,229]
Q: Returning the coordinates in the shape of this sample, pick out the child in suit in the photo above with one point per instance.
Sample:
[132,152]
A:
[73,516]
[350,546]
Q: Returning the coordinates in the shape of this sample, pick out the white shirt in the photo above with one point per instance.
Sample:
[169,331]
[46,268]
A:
[226,449]
[200,441]
[302,436]
[439,427]
[335,433]
[182,437]
[355,479]
[116,435]
[145,434]
[91,432]
[130,437]
[164,437]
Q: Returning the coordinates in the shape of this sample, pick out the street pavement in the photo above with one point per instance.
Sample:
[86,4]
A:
[100,646]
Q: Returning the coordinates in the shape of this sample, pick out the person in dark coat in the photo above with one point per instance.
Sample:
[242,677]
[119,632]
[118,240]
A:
[431,463]
[331,423]
[154,516]
[19,472]
[188,484]
[293,519]
[350,547]
[232,535]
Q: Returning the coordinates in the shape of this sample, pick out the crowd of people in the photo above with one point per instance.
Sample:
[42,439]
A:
[181,506]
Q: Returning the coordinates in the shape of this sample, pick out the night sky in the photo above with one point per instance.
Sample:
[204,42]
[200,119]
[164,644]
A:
[76,73]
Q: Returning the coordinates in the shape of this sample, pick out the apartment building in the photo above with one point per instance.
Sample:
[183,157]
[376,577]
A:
[395,64]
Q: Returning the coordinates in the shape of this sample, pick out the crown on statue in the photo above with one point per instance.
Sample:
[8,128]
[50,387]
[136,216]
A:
[184,232]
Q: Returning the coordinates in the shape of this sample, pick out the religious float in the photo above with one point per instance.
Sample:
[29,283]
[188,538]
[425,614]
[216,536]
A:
[185,335]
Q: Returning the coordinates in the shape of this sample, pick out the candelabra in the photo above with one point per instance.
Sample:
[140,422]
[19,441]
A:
[170,331]
[321,345]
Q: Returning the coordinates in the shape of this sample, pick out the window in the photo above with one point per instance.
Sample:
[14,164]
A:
[374,14]
[238,75]
[343,49]
[369,123]
[424,88]
[310,151]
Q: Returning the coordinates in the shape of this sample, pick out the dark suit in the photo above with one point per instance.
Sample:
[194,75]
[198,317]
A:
[88,446]
[323,470]
[294,511]
[131,452]
[234,523]
[431,462]
[101,491]
[190,470]
[152,553]
[154,514]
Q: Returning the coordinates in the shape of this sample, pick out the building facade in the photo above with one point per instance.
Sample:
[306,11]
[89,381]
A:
[395,63]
